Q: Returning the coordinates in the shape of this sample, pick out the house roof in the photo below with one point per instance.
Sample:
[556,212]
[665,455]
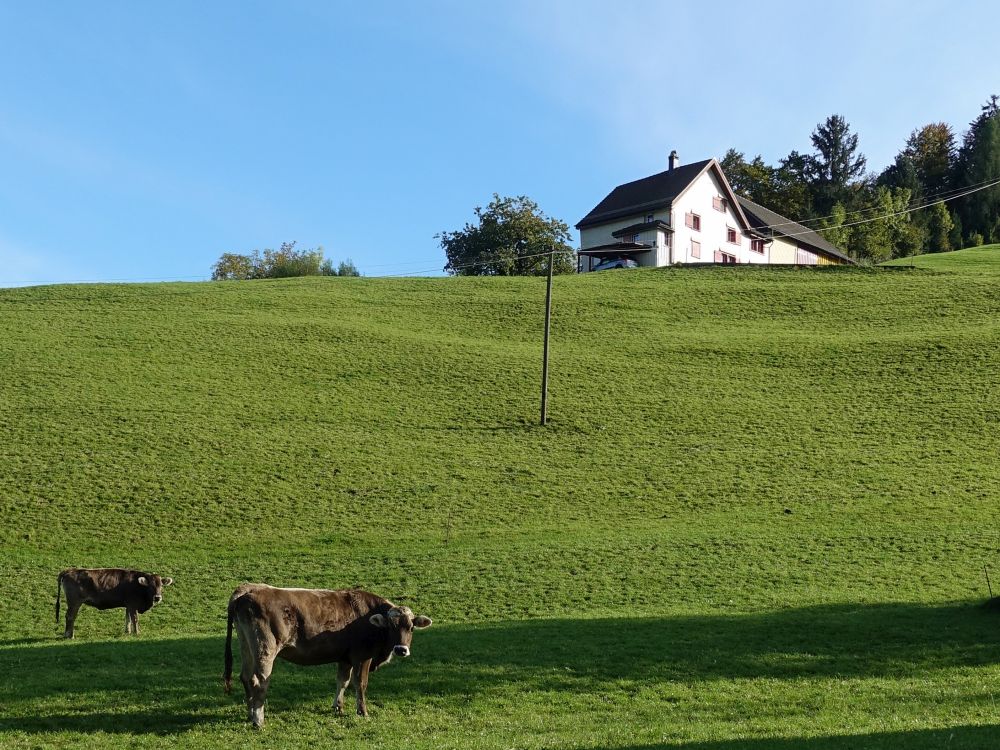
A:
[617,248]
[649,193]
[642,227]
[768,223]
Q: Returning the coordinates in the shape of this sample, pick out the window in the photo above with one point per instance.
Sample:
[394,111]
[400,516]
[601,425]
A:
[692,221]
[731,236]
[649,218]
[719,203]
[695,249]
[635,238]
[727,259]
[757,246]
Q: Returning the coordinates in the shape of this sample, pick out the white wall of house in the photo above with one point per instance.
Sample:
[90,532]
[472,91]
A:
[698,199]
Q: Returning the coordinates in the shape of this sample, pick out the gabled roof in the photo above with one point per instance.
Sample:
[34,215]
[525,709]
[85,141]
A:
[766,223]
[658,191]
[647,194]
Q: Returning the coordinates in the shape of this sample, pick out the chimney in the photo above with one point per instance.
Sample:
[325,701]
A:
[674,160]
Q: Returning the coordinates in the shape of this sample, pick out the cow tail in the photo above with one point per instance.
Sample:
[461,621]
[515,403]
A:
[227,673]
[59,593]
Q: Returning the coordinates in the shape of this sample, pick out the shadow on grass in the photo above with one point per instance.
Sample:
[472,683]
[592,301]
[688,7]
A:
[952,738]
[169,686]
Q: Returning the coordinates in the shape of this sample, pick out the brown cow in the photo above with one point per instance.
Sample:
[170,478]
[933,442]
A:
[357,630]
[109,588]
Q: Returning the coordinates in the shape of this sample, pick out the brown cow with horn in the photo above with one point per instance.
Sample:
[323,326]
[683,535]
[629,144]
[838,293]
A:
[109,588]
[358,631]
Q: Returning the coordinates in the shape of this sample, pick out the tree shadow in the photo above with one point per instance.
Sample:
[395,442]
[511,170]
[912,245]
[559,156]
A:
[583,655]
[966,737]
[170,686]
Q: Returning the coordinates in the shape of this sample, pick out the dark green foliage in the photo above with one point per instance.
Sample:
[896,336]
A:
[760,527]
[836,163]
[509,238]
[346,268]
[829,191]
[979,162]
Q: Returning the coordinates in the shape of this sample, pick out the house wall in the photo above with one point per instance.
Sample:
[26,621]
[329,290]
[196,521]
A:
[602,234]
[783,251]
[676,247]
[712,235]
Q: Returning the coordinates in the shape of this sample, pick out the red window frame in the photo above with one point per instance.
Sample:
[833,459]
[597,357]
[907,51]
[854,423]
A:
[757,246]
[692,221]
[719,203]
[732,237]
[695,249]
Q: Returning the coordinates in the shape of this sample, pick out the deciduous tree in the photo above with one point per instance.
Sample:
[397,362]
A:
[510,237]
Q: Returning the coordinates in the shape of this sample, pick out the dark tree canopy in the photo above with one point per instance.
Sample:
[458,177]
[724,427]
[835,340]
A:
[511,237]
[836,163]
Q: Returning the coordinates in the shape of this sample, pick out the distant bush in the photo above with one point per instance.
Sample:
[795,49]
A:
[285,262]
[976,239]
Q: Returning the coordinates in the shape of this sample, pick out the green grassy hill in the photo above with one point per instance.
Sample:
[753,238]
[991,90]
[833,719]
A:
[758,518]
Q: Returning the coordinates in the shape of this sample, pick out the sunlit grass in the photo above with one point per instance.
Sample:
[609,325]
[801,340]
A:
[758,518]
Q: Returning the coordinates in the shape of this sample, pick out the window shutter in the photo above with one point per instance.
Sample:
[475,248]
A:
[718,256]
[688,220]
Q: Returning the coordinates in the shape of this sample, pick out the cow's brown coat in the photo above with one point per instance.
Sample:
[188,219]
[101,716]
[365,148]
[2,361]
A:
[355,629]
[109,588]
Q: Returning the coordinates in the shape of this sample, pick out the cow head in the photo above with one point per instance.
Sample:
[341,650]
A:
[399,624]
[152,586]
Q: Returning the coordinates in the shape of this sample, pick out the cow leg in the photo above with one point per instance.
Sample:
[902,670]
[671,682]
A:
[343,678]
[361,685]
[260,680]
[135,621]
[128,621]
[72,608]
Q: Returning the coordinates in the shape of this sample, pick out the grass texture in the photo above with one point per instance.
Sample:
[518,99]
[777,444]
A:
[759,516]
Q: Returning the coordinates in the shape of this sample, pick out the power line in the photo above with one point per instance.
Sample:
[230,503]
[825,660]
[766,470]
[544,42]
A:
[950,193]
[889,215]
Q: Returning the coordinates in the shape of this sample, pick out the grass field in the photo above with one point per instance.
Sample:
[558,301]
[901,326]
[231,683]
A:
[758,519]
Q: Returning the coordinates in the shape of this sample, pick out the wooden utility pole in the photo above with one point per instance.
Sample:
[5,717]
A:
[545,347]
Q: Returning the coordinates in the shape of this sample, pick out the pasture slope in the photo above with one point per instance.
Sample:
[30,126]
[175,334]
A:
[758,519]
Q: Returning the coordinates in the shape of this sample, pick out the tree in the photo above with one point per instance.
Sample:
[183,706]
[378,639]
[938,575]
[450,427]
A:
[751,179]
[978,162]
[836,163]
[939,226]
[347,268]
[932,151]
[233,266]
[511,237]
[285,262]
[790,191]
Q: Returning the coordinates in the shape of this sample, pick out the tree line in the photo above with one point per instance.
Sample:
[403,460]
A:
[868,214]
[285,262]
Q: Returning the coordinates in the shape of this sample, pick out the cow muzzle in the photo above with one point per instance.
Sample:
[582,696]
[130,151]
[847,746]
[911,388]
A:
[401,651]
[157,599]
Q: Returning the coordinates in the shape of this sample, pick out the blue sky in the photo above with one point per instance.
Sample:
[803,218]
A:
[141,140]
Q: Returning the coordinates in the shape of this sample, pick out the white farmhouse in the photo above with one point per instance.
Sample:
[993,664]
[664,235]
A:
[689,214]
